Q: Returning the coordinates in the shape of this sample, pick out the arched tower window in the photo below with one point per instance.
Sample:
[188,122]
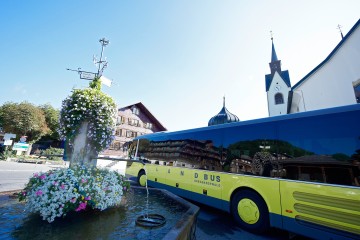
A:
[279,99]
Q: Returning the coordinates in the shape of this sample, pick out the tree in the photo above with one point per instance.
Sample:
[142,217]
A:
[52,121]
[23,119]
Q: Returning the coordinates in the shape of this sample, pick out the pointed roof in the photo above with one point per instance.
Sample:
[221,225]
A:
[224,116]
[273,52]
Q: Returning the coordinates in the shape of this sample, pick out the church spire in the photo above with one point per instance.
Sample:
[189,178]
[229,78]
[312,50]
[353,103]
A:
[273,52]
[275,64]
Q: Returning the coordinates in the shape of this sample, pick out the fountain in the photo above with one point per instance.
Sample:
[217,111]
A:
[83,202]
[113,223]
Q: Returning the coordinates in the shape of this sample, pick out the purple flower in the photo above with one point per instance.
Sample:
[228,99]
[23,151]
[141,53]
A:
[39,193]
[81,206]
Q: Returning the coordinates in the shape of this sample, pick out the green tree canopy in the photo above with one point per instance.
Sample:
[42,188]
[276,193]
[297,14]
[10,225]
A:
[23,119]
[52,120]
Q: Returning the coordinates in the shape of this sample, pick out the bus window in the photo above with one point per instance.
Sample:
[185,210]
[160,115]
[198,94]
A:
[312,174]
[341,176]
[317,153]
[251,149]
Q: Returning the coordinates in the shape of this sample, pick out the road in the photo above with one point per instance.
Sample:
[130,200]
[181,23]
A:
[14,175]
[211,223]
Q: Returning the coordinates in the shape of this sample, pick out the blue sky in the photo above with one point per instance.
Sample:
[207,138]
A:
[179,58]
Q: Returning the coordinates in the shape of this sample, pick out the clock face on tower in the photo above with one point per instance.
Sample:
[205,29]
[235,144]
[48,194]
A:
[277,88]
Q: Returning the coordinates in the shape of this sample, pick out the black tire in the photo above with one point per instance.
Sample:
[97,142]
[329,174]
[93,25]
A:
[255,214]
[141,173]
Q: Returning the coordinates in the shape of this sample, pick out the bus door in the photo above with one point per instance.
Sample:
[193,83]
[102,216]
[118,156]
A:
[208,155]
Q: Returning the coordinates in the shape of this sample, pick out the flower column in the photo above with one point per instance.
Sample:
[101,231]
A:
[87,123]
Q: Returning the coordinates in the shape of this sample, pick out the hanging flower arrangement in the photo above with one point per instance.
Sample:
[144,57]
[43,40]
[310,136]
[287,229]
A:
[93,106]
[57,192]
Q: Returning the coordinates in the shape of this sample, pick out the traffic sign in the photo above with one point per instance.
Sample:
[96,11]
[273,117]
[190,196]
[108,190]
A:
[21,146]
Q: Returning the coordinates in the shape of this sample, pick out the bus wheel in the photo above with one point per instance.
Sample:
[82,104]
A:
[250,211]
[141,178]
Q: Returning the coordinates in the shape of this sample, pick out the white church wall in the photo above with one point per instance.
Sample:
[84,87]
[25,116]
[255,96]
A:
[277,86]
[332,84]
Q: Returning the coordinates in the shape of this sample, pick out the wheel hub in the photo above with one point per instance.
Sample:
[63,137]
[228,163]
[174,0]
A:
[248,211]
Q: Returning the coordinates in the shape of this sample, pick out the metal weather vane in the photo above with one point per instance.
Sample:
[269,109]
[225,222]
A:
[339,27]
[101,65]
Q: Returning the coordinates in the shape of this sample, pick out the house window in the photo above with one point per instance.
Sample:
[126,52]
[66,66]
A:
[122,119]
[128,134]
[118,120]
[148,125]
[131,134]
[117,132]
[135,111]
[134,122]
[279,99]
[356,85]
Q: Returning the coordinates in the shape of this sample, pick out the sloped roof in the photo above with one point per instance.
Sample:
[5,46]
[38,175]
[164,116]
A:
[357,24]
[148,114]
[283,74]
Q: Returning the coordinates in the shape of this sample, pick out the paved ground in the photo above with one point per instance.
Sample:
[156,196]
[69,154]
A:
[211,223]
[14,175]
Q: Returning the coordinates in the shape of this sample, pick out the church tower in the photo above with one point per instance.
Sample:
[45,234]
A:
[278,86]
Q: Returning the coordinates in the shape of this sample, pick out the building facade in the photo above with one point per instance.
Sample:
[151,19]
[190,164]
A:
[334,82]
[132,121]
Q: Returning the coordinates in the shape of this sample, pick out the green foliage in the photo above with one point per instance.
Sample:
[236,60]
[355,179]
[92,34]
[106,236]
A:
[95,84]
[52,116]
[23,119]
[7,153]
[93,106]
[53,151]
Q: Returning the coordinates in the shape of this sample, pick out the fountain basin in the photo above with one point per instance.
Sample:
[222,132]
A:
[113,223]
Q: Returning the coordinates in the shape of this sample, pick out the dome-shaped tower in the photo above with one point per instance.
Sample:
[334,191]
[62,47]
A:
[224,116]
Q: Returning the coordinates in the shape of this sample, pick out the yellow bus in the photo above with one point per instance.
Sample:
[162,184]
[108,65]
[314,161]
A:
[298,172]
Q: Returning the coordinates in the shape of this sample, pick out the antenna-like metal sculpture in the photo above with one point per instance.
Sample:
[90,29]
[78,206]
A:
[101,65]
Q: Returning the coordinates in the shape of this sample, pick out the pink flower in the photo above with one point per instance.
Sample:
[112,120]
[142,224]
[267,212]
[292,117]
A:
[36,174]
[88,198]
[39,193]
[55,183]
[81,206]
[42,177]
[62,186]
[73,200]
[83,180]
